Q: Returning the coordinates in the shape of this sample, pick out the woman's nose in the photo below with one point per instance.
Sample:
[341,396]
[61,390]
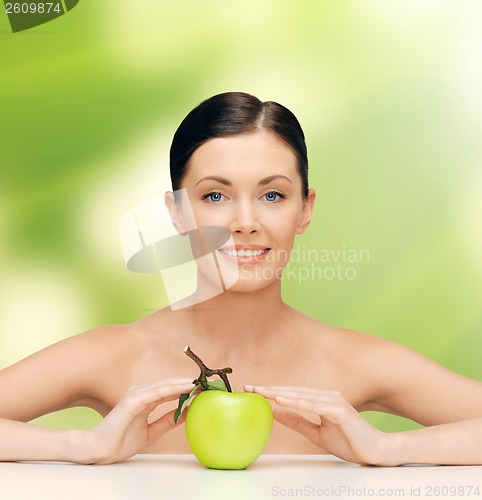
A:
[245,219]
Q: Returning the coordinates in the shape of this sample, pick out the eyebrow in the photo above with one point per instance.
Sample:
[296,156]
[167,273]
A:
[226,182]
[267,180]
[221,180]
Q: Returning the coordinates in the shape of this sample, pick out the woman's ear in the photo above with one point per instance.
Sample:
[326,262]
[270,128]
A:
[306,212]
[175,212]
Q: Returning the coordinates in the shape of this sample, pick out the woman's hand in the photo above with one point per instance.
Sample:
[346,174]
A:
[126,431]
[341,431]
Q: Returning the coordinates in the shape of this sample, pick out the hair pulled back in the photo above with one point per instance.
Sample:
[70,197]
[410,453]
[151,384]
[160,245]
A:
[233,113]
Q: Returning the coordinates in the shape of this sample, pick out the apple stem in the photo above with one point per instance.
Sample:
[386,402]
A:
[207,372]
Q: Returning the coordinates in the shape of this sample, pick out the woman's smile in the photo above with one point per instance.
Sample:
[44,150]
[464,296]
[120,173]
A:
[245,254]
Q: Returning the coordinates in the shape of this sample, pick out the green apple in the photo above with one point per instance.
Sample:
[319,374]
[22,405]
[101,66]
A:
[228,430]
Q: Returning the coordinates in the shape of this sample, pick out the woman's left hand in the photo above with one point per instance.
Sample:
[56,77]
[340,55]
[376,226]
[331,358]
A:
[341,431]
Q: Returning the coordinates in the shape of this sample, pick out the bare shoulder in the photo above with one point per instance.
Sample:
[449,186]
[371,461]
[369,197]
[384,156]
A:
[345,340]
[99,347]
[394,378]
[56,377]
[353,344]
[94,368]
[337,357]
[362,355]
[115,343]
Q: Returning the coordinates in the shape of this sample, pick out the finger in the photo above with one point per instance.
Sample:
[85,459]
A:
[143,400]
[331,411]
[297,423]
[162,383]
[290,388]
[165,393]
[267,392]
[295,392]
[315,398]
[164,424]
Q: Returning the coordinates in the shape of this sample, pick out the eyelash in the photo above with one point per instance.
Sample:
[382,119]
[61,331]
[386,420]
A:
[281,196]
[206,196]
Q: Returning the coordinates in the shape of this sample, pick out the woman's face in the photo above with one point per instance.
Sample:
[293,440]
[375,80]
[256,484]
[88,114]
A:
[249,184]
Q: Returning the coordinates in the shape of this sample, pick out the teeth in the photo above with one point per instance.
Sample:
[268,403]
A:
[243,253]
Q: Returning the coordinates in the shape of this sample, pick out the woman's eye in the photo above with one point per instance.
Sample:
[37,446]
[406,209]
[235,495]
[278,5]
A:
[213,197]
[273,196]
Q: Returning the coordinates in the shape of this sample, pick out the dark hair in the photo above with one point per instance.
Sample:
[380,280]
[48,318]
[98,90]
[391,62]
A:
[235,113]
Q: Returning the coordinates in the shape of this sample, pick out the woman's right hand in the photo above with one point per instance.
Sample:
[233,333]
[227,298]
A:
[341,429]
[126,431]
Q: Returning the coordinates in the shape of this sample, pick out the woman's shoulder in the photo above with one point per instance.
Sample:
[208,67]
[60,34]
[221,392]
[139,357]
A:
[106,342]
[342,339]
[131,342]
[111,358]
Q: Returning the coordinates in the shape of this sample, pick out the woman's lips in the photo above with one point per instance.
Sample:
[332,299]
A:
[245,255]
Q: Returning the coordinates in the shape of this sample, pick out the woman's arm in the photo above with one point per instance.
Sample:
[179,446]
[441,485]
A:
[456,443]
[21,441]
[82,370]
[124,431]
[60,376]
[344,433]
[403,382]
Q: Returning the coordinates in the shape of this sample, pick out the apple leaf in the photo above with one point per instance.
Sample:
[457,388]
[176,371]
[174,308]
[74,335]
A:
[214,385]
[217,385]
[183,401]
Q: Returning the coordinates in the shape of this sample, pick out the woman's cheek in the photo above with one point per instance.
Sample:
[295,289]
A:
[210,216]
[284,221]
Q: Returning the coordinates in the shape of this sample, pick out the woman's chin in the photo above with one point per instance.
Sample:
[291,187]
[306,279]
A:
[251,285]
[241,279]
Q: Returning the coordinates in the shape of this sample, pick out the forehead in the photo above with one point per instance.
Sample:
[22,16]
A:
[260,153]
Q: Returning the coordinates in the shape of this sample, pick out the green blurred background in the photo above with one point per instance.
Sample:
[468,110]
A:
[389,95]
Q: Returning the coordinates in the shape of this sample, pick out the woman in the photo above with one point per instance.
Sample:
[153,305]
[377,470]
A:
[241,165]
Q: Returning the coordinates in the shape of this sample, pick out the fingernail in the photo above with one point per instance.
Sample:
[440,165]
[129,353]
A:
[249,387]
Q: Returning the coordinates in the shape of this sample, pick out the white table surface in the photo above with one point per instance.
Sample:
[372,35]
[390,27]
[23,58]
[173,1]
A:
[271,476]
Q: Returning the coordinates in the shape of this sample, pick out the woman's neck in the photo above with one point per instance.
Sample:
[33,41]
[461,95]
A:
[236,322]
